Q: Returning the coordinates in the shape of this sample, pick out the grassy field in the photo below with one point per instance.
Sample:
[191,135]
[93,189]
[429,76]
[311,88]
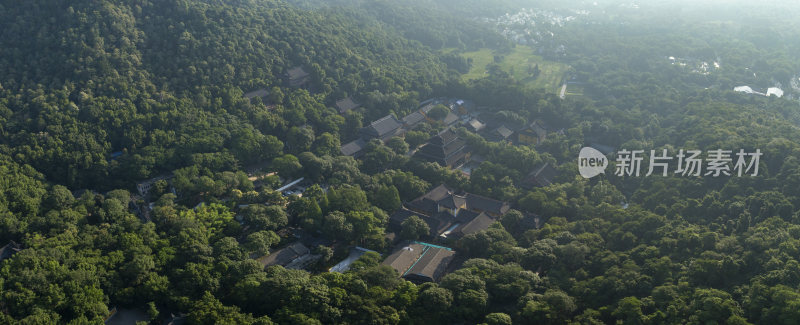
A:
[517,63]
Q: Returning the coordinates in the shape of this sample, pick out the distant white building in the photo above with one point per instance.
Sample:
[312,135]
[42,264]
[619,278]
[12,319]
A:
[743,89]
[775,91]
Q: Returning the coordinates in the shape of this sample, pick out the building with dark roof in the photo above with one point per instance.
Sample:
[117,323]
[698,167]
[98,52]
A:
[502,133]
[9,250]
[124,316]
[449,214]
[490,206]
[446,149]
[346,104]
[450,119]
[477,224]
[353,148]
[444,138]
[144,187]
[420,262]
[533,134]
[498,128]
[285,256]
[297,77]
[261,93]
[173,319]
[404,258]
[436,224]
[413,119]
[541,176]
[443,199]
[383,128]
[431,266]
[425,109]
[475,125]
[452,202]
[428,203]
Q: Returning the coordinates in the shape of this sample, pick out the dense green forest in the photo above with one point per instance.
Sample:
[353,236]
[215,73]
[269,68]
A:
[98,96]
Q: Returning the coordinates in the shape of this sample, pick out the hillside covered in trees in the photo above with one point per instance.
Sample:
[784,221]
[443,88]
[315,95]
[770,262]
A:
[162,158]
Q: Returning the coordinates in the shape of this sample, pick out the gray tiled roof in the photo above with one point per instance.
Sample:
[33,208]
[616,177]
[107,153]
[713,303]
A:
[401,215]
[450,118]
[476,125]
[296,73]
[382,127]
[432,265]
[541,176]
[257,93]
[284,255]
[441,152]
[353,147]
[448,155]
[466,216]
[488,205]
[479,223]
[404,258]
[427,202]
[453,202]
[427,108]
[443,137]
[413,119]
[504,131]
[346,104]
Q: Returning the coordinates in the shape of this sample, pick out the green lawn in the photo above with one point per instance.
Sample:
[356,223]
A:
[517,63]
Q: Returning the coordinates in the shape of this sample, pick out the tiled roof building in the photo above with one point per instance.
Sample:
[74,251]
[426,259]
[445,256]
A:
[383,128]
[420,262]
[446,149]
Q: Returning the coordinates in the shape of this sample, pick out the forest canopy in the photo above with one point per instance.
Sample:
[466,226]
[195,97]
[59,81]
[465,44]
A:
[158,157]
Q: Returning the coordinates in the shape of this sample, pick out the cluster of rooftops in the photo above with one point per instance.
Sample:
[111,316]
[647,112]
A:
[296,77]
[390,126]
[445,148]
[420,262]
[449,214]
